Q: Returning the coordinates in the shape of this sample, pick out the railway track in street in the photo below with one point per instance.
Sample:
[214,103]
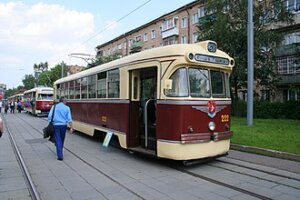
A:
[88,164]
[242,177]
[31,187]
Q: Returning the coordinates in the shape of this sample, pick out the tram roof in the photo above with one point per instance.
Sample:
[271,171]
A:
[49,89]
[178,50]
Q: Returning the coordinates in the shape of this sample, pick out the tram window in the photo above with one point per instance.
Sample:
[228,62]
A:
[45,97]
[71,90]
[83,88]
[199,82]
[217,84]
[77,89]
[179,84]
[113,80]
[101,85]
[92,86]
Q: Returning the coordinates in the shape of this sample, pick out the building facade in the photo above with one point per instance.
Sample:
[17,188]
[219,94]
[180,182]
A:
[180,26]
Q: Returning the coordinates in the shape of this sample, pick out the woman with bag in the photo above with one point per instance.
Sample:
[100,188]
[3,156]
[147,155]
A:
[61,120]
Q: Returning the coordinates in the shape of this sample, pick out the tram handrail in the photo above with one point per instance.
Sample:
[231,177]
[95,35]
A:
[146,120]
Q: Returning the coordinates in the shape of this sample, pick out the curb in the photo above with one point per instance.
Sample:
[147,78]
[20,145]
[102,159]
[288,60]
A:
[266,152]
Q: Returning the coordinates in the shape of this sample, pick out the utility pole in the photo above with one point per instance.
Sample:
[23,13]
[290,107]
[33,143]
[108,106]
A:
[62,69]
[250,65]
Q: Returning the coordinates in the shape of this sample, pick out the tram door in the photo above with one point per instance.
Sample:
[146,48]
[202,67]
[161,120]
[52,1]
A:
[143,86]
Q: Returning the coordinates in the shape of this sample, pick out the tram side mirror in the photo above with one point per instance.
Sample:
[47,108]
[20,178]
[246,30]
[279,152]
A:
[168,84]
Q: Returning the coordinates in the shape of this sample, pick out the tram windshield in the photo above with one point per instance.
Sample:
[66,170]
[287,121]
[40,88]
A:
[198,83]
[45,97]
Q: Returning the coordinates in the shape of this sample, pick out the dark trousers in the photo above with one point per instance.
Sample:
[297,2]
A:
[59,135]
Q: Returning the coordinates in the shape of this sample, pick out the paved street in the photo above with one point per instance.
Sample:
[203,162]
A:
[90,171]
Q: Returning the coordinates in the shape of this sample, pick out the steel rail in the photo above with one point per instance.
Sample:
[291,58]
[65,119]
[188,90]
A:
[31,187]
[90,165]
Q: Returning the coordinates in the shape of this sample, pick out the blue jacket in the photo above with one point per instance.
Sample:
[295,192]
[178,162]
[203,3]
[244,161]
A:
[62,114]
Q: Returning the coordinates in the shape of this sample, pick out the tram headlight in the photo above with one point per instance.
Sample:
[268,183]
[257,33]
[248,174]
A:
[212,126]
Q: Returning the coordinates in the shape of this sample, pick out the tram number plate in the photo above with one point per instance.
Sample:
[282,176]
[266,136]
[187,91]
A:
[224,118]
[107,139]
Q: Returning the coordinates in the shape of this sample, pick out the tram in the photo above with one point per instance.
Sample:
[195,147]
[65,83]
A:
[16,98]
[170,102]
[38,100]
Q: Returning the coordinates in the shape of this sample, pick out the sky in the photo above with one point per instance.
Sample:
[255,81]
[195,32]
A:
[34,31]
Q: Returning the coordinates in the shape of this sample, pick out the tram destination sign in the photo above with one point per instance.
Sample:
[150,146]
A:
[211,59]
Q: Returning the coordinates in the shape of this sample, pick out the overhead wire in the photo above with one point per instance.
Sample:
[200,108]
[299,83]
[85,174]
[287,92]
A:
[108,26]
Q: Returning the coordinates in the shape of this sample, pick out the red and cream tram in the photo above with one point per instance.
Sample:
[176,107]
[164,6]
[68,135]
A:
[16,98]
[38,100]
[172,102]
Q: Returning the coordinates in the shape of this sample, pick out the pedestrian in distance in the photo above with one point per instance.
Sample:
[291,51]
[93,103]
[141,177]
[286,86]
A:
[1,105]
[1,127]
[5,106]
[19,106]
[12,107]
[61,120]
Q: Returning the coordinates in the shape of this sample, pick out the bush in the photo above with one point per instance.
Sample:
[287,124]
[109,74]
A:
[267,110]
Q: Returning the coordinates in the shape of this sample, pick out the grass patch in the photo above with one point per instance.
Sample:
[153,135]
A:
[277,134]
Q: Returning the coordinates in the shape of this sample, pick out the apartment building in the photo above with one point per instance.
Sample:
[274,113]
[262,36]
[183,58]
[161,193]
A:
[180,26]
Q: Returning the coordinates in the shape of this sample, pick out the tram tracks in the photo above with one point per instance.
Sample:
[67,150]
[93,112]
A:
[230,168]
[89,164]
[31,187]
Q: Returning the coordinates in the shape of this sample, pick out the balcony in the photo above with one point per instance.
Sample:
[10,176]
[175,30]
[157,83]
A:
[293,79]
[169,32]
[136,47]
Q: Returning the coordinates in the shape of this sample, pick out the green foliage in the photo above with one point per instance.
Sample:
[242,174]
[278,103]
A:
[226,23]
[103,59]
[276,134]
[28,81]
[267,110]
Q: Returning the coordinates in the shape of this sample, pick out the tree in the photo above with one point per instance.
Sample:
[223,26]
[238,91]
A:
[226,23]
[103,59]
[29,81]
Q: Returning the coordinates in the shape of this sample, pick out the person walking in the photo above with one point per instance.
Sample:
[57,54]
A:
[61,120]
[0,105]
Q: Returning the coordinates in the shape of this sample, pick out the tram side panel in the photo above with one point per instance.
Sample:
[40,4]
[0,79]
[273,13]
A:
[90,116]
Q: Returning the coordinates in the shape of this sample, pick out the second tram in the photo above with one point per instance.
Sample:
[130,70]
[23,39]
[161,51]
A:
[38,100]
[171,102]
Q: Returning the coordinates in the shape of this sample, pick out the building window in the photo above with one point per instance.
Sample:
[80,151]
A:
[153,34]
[293,5]
[288,65]
[183,40]
[201,12]
[195,37]
[120,46]
[168,24]
[145,37]
[195,18]
[265,95]
[293,95]
[291,38]
[184,22]
[138,38]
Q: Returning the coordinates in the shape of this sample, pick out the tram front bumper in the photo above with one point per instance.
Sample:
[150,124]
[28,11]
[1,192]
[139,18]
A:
[190,151]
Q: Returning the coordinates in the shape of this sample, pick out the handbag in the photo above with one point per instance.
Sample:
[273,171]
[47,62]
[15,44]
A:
[49,130]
